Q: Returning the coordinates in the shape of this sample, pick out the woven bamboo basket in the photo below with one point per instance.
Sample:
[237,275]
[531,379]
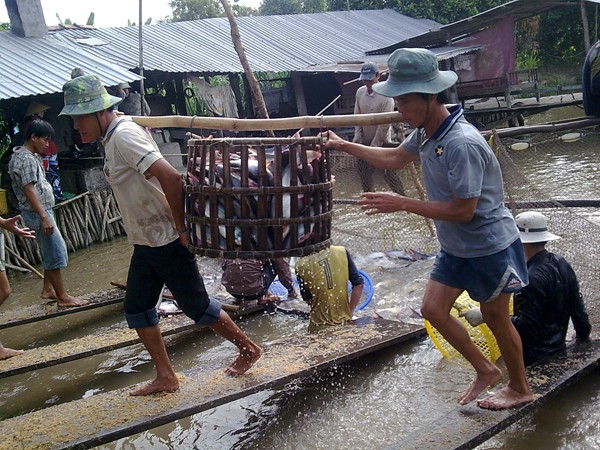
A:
[258,198]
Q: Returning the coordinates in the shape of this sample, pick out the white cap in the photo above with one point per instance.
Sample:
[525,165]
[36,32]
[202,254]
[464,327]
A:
[533,228]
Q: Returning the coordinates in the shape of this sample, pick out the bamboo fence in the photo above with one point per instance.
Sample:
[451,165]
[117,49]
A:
[85,219]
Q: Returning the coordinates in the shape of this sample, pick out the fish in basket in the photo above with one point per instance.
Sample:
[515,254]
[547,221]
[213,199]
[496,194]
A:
[258,198]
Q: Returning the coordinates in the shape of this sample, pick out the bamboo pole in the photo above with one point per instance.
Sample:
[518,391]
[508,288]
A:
[23,261]
[320,113]
[286,123]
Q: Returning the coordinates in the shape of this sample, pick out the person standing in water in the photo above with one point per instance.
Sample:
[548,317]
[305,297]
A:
[480,247]
[150,195]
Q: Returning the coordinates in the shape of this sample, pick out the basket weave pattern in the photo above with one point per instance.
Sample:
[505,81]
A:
[258,198]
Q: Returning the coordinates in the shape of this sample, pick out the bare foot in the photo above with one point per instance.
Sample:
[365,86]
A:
[6,353]
[479,384]
[69,301]
[168,385]
[246,359]
[505,398]
[48,295]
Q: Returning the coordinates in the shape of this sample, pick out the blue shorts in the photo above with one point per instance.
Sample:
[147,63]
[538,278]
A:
[172,265]
[52,246]
[485,277]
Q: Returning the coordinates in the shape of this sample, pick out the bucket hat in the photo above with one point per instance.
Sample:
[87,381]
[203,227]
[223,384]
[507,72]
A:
[414,70]
[35,108]
[86,95]
[533,228]
[368,71]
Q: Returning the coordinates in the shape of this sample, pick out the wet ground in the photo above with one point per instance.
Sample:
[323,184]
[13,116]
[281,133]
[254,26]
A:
[363,405]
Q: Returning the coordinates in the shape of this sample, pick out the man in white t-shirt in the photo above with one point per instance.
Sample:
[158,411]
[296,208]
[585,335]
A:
[150,195]
[368,101]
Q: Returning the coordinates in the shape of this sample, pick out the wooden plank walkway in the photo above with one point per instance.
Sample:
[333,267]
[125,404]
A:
[85,346]
[468,426]
[109,416]
[50,309]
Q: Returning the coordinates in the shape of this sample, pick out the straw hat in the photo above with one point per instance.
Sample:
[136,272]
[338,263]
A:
[414,70]
[86,95]
[35,108]
[533,228]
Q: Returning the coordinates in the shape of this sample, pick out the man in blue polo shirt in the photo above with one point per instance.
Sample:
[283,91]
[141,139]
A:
[480,247]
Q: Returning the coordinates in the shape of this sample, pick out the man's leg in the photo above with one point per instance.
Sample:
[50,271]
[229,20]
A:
[394,181]
[54,278]
[166,380]
[249,351]
[437,302]
[496,315]
[365,171]
[4,294]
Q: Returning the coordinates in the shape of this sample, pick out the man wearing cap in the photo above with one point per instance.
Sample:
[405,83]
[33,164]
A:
[542,309]
[480,247]
[150,195]
[367,101]
[132,103]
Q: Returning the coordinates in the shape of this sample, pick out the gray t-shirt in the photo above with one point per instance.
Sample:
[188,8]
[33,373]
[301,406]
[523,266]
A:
[457,160]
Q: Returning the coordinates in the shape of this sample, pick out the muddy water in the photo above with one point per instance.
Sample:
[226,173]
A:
[363,405]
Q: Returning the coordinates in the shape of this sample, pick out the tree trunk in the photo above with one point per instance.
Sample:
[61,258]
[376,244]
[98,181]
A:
[586,26]
[237,44]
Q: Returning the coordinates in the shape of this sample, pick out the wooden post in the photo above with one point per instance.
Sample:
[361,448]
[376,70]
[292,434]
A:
[237,44]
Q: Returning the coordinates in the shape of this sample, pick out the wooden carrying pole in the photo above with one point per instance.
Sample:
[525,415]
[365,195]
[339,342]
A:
[286,123]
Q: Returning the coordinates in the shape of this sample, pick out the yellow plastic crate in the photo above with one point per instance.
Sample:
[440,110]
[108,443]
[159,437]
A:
[3,202]
[481,335]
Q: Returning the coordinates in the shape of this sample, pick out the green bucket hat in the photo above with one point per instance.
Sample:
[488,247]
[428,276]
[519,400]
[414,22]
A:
[86,95]
[414,70]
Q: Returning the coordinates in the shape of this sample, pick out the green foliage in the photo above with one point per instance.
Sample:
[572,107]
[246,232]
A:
[91,18]
[195,9]
[274,7]
[528,60]
[4,26]
[444,11]
[561,36]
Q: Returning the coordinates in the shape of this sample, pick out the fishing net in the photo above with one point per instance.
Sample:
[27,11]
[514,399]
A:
[554,173]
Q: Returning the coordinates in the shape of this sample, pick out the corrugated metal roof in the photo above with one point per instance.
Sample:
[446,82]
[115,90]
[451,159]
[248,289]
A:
[272,43]
[518,9]
[32,66]
[442,53]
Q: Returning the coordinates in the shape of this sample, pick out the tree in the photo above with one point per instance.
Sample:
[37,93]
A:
[195,9]
[276,7]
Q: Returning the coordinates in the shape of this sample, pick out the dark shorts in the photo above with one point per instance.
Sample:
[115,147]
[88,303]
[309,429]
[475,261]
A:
[485,277]
[171,265]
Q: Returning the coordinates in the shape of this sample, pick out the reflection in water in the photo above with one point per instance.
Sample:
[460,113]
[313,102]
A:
[364,404]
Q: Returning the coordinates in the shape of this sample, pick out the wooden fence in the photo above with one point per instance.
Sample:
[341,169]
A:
[82,220]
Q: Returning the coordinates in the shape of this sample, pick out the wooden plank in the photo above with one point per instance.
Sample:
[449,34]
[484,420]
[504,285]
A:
[468,426]
[66,351]
[109,416]
[50,309]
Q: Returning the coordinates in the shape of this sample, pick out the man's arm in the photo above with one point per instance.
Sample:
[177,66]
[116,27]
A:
[456,210]
[575,305]
[356,281]
[282,269]
[383,158]
[36,205]
[11,225]
[172,186]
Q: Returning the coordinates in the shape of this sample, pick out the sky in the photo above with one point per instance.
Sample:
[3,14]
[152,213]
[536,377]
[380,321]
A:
[108,13]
